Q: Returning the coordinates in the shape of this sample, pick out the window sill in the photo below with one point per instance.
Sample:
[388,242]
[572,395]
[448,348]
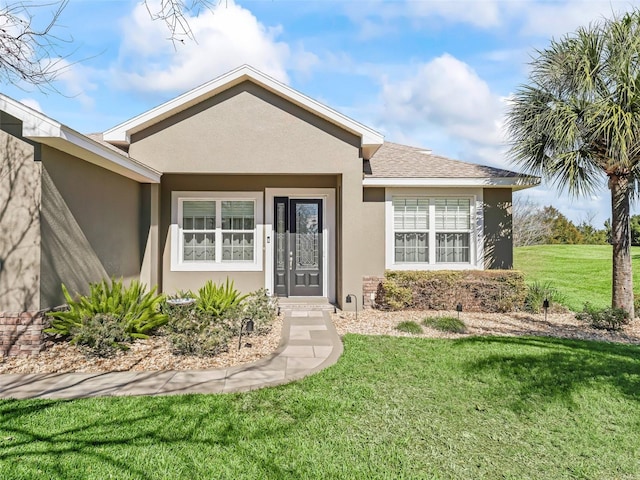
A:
[216,267]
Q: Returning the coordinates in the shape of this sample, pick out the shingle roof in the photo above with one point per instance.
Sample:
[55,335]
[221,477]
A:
[393,160]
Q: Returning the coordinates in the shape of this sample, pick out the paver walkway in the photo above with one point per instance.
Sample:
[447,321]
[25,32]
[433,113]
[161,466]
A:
[309,343]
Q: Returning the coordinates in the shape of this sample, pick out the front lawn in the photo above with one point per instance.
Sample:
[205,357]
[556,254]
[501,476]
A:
[580,272]
[510,407]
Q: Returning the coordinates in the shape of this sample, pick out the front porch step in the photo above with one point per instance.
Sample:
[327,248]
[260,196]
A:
[316,304]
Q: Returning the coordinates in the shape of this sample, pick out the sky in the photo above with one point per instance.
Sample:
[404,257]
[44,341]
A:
[435,74]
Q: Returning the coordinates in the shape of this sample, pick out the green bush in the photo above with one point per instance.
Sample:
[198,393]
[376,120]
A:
[261,308]
[101,335]
[603,318]
[445,324]
[537,292]
[193,332]
[138,312]
[477,290]
[409,326]
[215,300]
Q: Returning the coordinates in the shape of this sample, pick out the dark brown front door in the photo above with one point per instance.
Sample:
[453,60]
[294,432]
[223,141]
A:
[298,247]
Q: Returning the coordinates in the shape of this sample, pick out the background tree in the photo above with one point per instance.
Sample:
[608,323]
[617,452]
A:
[561,229]
[33,54]
[529,225]
[30,54]
[578,121]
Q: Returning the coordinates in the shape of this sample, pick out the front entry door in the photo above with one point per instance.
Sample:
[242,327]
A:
[298,247]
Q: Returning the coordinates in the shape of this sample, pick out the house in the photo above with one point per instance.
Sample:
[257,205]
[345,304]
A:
[242,177]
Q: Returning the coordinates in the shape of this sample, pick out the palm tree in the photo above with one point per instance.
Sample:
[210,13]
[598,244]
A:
[577,123]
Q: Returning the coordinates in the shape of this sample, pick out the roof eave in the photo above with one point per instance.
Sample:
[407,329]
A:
[370,139]
[515,183]
[42,129]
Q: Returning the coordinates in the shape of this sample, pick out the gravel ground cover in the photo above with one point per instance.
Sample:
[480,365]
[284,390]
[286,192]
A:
[561,325]
[155,353]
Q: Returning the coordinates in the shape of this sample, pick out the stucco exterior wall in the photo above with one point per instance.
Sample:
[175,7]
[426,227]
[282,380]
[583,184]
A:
[246,129]
[498,239]
[19,225]
[91,226]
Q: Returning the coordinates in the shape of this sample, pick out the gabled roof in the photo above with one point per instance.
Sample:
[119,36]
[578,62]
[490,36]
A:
[401,165]
[42,129]
[121,134]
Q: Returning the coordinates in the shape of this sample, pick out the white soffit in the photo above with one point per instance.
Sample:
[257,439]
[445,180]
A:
[515,183]
[122,133]
[42,129]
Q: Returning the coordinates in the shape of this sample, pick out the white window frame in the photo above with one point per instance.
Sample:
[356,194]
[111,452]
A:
[476,250]
[177,237]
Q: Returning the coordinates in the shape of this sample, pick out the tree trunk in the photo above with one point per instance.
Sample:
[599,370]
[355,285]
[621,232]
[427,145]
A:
[622,294]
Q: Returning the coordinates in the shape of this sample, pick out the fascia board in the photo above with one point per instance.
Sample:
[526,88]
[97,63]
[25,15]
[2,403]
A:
[42,129]
[123,132]
[517,183]
[34,123]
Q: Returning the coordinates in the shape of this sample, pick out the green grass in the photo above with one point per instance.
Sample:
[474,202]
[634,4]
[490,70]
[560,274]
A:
[445,324]
[392,408]
[581,273]
[409,326]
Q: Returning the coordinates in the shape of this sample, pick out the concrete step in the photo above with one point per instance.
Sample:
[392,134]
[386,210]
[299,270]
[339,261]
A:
[313,304]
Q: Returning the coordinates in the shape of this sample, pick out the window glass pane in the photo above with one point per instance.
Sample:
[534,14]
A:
[411,247]
[198,215]
[238,215]
[453,213]
[410,213]
[238,247]
[452,248]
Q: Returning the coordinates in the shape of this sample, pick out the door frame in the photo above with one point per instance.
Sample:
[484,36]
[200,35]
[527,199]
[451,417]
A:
[328,196]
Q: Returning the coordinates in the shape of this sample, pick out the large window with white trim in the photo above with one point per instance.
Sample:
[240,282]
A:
[432,230]
[217,231]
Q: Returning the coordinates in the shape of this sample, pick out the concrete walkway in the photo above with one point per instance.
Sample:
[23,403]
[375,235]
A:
[309,344]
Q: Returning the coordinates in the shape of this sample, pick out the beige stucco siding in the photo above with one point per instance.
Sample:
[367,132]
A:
[91,226]
[498,241]
[245,130]
[372,246]
[19,225]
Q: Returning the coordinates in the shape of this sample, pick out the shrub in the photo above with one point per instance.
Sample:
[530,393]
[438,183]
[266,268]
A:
[215,300]
[603,318]
[409,326]
[477,290]
[261,308]
[138,312]
[537,292]
[193,332]
[101,335]
[445,324]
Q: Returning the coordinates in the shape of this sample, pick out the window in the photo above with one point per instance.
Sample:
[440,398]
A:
[431,230]
[411,230]
[216,231]
[453,224]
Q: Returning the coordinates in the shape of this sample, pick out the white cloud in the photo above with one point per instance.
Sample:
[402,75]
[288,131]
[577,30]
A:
[77,81]
[32,103]
[446,99]
[226,37]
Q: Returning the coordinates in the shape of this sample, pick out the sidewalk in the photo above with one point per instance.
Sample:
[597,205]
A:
[309,344]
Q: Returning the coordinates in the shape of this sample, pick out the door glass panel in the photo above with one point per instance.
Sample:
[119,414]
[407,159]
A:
[281,231]
[307,238]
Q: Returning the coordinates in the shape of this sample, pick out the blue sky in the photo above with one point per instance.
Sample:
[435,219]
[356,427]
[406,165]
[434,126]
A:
[434,74]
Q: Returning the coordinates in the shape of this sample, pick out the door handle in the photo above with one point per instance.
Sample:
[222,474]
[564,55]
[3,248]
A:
[290,260]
